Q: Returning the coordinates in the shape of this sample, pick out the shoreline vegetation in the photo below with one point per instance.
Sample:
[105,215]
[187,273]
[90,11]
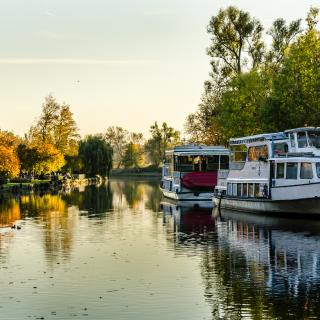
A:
[254,86]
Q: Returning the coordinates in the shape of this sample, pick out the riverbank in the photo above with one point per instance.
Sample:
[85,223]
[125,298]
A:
[136,172]
[47,185]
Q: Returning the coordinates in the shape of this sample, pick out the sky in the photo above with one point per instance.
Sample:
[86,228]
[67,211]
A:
[122,63]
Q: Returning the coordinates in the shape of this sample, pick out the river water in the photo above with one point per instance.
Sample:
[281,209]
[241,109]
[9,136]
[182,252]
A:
[120,252]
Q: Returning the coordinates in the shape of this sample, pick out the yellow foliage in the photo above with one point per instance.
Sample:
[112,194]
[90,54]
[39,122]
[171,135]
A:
[9,163]
[50,158]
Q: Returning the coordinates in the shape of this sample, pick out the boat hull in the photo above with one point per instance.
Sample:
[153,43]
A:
[188,196]
[310,206]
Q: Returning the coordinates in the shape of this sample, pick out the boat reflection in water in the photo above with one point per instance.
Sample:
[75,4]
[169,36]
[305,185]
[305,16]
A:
[253,267]
[189,217]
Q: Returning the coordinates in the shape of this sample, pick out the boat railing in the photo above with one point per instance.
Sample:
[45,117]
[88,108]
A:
[296,154]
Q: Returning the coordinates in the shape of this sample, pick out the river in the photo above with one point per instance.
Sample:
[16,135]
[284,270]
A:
[120,252]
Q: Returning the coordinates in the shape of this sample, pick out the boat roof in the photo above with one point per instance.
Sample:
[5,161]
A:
[257,138]
[198,150]
[303,129]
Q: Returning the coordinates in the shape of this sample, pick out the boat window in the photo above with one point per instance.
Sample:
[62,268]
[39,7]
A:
[302,140]
[234,189]
[244,190]
[280,148]
[314,138]
[224,162]
[292,141]
[292,170]
[256,190]
[318,169]
[306,170]
[239,190]
[258,153]
[184,163]
[250,190]
[238,153]
[272,170]
[280,170]
[213,163]
[229,189]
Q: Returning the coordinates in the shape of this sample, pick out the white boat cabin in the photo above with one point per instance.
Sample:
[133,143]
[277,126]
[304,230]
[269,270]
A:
[265,165]
[192,170]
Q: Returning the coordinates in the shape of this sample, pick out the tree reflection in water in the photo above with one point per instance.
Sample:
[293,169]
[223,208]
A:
[254,268]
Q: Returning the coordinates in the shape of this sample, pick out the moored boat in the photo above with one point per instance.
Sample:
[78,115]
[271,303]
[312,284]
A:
[277,172]
[190,173]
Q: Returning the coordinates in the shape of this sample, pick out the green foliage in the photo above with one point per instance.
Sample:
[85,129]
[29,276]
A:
[162,138]
[96,155]
[236,42]
[253,89]
[295,100]
[240,105]
[73,164]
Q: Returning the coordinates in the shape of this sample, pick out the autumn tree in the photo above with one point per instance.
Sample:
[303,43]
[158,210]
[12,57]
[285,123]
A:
[40,158]
[66,137]
[56,126]
[9,162]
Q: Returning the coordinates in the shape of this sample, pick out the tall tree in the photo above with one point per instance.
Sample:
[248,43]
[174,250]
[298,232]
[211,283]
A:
[295,98]
[236,42]
[162,138]
[134,153]
[282,36]
[43,131]
[118,138]
[96,155]
[236,47]
[66,135]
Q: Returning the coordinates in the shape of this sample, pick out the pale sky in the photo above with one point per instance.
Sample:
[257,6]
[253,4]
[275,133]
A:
[116,62]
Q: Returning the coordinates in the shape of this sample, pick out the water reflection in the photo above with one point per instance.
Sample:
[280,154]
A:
[253,267]
[165,260]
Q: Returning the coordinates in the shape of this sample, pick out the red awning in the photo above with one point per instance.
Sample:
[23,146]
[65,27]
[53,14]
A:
[200,180]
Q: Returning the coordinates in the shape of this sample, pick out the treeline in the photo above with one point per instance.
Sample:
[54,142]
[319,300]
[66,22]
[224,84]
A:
[254,88]
[132,150]
[53,145]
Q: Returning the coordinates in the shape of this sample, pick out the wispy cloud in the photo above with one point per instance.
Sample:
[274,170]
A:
[30,61]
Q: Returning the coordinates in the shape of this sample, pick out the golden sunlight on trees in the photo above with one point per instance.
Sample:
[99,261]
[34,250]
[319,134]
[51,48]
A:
[9,162]
[56,126]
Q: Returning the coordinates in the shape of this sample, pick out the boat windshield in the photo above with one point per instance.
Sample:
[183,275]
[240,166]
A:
[314,138]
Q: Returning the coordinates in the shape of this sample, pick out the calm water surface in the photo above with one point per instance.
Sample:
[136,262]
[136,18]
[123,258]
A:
[120,252]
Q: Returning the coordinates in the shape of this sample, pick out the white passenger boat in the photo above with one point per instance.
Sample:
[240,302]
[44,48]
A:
[190,172]
[278,172]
